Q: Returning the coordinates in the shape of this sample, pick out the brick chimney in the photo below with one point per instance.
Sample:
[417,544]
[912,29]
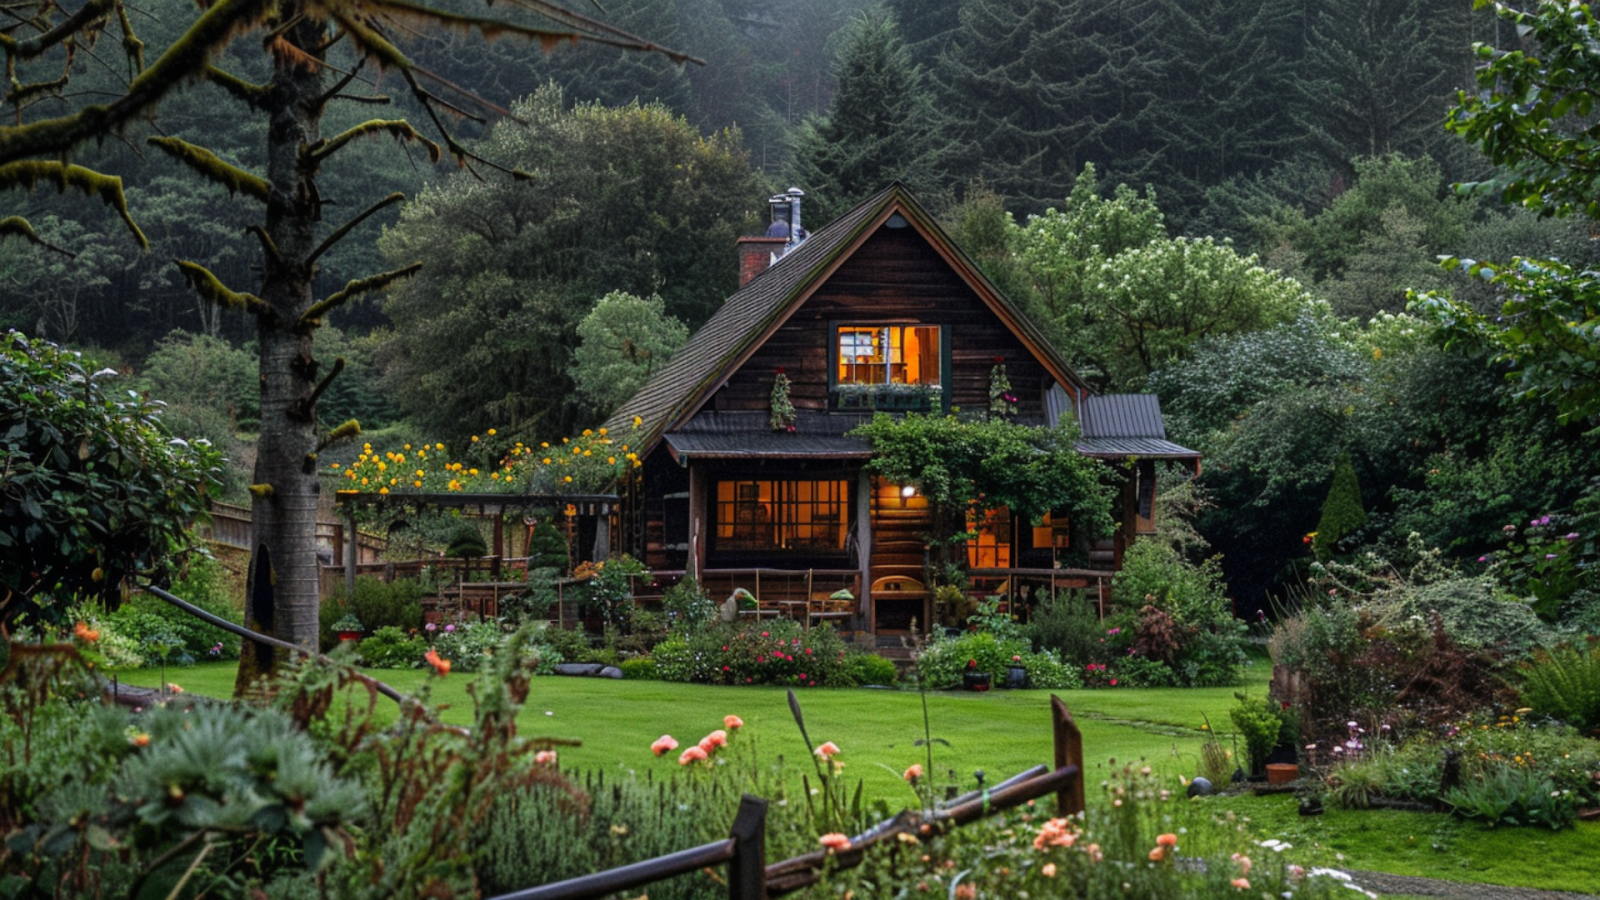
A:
[784,234]
[756,253]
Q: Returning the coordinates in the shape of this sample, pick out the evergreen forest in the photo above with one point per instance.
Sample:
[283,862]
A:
[1239,205]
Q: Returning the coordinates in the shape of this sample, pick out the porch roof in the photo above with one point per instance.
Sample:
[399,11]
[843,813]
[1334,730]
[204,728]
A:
[764,445]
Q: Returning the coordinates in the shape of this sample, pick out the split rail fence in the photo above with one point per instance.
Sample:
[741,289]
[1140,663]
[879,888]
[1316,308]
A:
[744,850]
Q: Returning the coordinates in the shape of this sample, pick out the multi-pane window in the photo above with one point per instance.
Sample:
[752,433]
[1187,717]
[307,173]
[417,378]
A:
[806,515]
[889,354]
[991,549]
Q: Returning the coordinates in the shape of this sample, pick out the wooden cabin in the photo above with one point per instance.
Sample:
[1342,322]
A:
[879,310]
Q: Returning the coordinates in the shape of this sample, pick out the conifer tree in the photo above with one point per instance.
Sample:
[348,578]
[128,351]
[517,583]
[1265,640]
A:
[877,129]
[1342,512]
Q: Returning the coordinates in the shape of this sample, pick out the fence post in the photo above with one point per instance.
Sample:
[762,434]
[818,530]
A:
[747,871]
[1069,752]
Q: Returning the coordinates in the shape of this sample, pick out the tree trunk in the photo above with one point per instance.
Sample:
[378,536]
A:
[284,510]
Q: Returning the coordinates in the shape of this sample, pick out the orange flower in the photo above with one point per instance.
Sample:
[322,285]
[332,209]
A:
[732,723]
[914,772]
[1048,870]
[140,740]
[1055,833]
[833,840]
[718,738]
[173,688]
[1094,853]
[84,632]
[664,744]
[693,754]
[966,892]
[545,757]
[440,665]
[1166,840]
[1157,854]
[1242,884]
[1244,863]
[828,750]
[708,745]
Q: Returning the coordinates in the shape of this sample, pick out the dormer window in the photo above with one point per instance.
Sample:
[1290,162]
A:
[895,367]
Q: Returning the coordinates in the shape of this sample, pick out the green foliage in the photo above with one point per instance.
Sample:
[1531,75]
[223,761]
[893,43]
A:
[687,607]
[1068,625]
[943,661]
[466,542]
[779,651]
[878,129]
[955,462]
[1342,512]
[547,548]
[1514,797]
[629,199]
[1189,626]
[468,645]
[639,669]
[870,668]
[96,490]
[1262,725]
[621,342]
[610,590]
[1564,683]
[391,648]
[186,639]
[1126,299]
[535,601]
[376,604]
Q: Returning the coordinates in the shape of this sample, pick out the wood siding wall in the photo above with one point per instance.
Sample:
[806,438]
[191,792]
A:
[895,278]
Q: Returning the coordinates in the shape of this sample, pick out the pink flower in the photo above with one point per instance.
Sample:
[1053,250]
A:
[707,745]
[828,750]
[914,772]
[449,629]
[545,757]
[664,744]
[732,723]
[1242,884]
[1048,870]
[1244,863]
[693,754]
[834,841]
[718,737]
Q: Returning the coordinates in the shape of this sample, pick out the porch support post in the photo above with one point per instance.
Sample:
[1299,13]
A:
[864,548]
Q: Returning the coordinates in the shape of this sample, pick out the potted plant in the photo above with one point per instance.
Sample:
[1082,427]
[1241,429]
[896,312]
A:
[1016,674]
[973,679]
[349,628]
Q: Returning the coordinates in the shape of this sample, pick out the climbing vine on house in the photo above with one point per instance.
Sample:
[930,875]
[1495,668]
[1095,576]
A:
[962,465]
[782,415]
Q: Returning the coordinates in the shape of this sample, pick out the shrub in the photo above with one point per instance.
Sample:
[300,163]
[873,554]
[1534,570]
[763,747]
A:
[534,602]
[1514,797]
[870,668]
[609,591]
[1342,513]
[184,637]
[1069,625]
[1262,725]
[777,651]
[377,604]
[942,662]
[1565,683]
[391,648]
[687,606]
[466,645]
[1185,620]
[641,668]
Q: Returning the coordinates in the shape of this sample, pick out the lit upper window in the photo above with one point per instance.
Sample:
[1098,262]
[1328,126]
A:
[889,354]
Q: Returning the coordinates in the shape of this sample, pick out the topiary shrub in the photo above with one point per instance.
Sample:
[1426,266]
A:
[547,548]
[641,668]
[1342,512]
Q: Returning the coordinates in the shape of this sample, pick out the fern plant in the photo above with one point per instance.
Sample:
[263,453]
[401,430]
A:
[1565,683]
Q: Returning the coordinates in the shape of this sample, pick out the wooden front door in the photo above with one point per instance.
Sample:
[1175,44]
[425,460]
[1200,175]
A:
[898,558]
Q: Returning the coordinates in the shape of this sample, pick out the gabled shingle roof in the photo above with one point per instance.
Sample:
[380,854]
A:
[748,317]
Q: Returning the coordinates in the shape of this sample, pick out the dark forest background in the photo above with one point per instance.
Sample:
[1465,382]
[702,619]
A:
[1284,161]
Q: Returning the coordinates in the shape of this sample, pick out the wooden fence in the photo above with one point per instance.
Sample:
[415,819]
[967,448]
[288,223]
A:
[744,850]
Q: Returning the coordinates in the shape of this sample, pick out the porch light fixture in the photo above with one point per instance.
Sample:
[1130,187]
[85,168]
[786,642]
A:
[906,493]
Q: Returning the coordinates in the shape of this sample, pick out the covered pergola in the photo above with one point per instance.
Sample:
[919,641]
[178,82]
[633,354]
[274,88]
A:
[598,508]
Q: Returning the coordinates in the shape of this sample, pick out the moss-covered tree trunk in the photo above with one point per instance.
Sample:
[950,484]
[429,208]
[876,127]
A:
[283,588]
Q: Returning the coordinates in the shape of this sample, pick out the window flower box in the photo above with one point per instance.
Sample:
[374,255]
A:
[887,397]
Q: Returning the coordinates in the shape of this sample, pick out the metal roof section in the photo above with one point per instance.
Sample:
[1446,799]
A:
[763,445]
[1120,448]
[1123,415]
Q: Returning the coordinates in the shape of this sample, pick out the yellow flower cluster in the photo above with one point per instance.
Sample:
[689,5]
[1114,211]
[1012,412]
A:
[589,463]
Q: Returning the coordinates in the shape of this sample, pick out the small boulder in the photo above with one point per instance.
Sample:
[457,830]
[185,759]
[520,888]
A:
[1200,787]
[610,672]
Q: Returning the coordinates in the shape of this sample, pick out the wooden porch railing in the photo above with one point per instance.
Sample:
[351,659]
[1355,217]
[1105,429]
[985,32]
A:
[744,851]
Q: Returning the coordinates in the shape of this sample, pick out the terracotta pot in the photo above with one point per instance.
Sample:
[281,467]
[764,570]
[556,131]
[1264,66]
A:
[349,635]
[1282,773]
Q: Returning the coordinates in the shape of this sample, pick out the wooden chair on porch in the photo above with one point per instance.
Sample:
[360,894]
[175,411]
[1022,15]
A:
[823,606]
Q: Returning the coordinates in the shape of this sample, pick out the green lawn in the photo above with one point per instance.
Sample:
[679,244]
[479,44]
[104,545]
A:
[1001,732]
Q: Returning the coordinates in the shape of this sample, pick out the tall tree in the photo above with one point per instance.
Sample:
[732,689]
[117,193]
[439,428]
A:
[877,130]
[316,53]
[629,199]
[623,340]
[1032,91]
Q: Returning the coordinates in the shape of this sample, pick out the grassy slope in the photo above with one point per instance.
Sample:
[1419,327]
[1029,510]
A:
[1002,732]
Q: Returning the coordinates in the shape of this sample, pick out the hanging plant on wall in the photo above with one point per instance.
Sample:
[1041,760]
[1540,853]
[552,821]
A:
[782,416]
[1002,402]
